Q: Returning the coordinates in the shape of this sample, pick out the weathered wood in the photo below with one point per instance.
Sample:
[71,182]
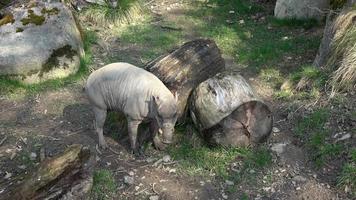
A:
[61,177]
[183,69]
[228,111]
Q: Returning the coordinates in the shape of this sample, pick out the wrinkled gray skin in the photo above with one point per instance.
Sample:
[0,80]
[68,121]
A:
[138,94]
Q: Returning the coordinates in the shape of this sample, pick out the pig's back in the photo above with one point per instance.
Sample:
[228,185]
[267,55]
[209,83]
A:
[122,86]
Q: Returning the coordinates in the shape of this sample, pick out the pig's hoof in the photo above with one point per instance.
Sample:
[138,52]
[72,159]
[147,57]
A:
[138,153]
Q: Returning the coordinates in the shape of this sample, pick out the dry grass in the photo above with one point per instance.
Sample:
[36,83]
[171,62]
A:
[343,52]
[107,16]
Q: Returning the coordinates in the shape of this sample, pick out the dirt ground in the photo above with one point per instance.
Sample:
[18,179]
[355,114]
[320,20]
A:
[55,119]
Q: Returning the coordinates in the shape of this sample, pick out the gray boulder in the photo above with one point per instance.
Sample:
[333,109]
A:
[301,9]
[39,41]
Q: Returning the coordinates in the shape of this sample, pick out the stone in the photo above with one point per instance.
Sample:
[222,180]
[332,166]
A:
[166,158]
[128,180]
[276,130]
[299,179]
[33,156]
[154,197]
[228,182]
[42,42]
[301,9]
[278,148]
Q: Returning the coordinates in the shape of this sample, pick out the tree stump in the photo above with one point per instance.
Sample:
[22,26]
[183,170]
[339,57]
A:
[183,69]
[228,112]
[62,177]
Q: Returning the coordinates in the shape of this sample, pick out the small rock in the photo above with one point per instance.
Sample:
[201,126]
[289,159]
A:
[278,148]
[137,188]
[128,180]
[166,158]
[231,12]
[149,160]
[276,130]
[224,196]
[300,179]
[154,197]
[202,183]
[298,188]
[229,21]
[131,173]
[22,166]
[7,175]
[33,156]
[241,21]
[228,182]
[252,171]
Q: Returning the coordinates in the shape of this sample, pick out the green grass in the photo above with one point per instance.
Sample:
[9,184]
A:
[152,40]
[104,185]
[348,174]
[201,160]
[295,23]
[10,86]
[312,129]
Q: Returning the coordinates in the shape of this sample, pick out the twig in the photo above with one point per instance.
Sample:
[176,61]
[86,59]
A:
[170,163]
[137,193]
[148,3]
[3,140]
[153,188]
[113,151]
[171,28]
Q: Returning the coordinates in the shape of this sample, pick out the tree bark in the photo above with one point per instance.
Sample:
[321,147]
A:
[228,112]
[183,69]
[61,177]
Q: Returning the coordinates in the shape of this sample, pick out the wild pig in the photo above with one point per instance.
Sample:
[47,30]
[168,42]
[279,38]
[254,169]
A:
[137,93]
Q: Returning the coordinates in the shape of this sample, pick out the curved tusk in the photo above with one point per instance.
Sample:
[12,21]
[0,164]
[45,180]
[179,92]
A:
[160,131]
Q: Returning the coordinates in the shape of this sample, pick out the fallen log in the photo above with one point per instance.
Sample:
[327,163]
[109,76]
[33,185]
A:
[66,176]
[183,69]
[228,112]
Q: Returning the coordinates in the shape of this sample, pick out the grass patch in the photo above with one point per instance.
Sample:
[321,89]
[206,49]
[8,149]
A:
[126,12]
[348,174]
[104,185]
[294,23]
[197,159]
[153,40]
[305,83]
[312,129]
[251,43]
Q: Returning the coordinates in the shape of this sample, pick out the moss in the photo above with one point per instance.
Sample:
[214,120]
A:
[53,11]
[8,18]
[53,61]
[33,18]
[18,30]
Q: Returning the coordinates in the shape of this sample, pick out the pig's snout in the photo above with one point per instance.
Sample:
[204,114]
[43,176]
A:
[167,132]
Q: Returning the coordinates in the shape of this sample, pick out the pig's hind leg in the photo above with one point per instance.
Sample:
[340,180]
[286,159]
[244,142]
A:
[100,116]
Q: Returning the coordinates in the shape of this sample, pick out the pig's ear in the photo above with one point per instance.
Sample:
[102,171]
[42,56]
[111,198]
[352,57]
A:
[176,96]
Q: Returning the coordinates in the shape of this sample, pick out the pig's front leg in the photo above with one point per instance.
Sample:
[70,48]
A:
[132,128]
[156,138]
